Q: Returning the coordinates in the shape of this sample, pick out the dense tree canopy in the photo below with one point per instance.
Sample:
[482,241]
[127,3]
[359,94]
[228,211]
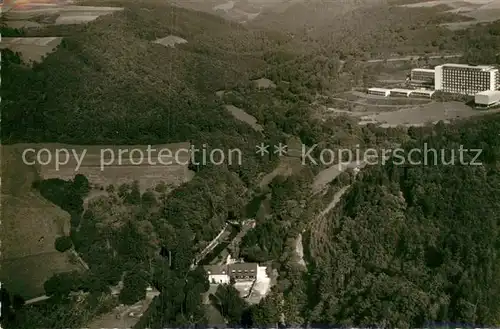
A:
[406,245]
[417,244]
[63,243]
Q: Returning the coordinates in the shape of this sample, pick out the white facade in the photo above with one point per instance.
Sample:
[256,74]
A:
[379,91]
[239,271]
[495,79]
[465,79]
[423,74]
[438,77]
[487,98]
[422,93]
[218,278]
[401,92]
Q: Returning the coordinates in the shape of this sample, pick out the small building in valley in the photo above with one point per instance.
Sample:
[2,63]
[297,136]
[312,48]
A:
[243,271]
[487,99]
[401,92]
[422,93]
[379,91]
[217,274]
[239,272]
[423,75]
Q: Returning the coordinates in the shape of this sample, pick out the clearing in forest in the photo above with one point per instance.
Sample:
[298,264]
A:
[30,226]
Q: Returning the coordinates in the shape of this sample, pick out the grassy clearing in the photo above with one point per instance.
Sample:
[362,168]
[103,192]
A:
[32,49]
[118,168]
[243,116]
[30,226]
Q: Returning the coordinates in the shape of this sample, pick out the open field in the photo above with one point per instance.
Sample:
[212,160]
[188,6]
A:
[425,114]
[238,10]
[31,49]
[30,225]
[264,83]
[170,41]
[326,176]
[287,166]
[248,11]
[26,275]
[103,166]
[244,116]
[63,11]
[20,24]
[478,10]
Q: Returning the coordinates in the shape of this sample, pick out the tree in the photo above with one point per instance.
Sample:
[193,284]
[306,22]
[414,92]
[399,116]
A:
[230,304]
[81,185]
[134,287]
[123,190]
[148,199]
[63,243]
[17,302]
[110,189]
[134,197]
[62,283]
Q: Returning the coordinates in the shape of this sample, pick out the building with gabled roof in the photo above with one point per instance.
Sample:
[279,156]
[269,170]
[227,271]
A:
[217,274]
[239,272]
[243,271]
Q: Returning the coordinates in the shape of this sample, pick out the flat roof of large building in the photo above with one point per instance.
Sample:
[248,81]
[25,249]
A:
[398,90]
[468,66]
[424,70]
[427,92]
[489,93]
[379,89]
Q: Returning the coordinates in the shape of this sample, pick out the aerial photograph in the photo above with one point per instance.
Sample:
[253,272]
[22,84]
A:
[268,164]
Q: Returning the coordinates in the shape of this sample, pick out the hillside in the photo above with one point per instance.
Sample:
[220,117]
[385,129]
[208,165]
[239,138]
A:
[280,13]
[109,83]
[416,244]
[93,91]
[115,79]
[30,225]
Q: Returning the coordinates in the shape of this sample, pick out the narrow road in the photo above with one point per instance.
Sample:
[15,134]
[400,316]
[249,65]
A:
[36,299]
[324,177]
[80,260]
[319,226]
[407,58]
[211,246]
[336,199]
[410,58]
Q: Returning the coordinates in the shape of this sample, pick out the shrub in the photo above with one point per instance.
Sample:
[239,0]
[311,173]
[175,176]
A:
[63,243]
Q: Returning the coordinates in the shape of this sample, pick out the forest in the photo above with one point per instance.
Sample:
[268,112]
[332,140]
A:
[417,244]
[411,245]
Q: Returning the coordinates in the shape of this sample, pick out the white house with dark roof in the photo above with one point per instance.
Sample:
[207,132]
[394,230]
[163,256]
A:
[217,274]
[243,271]
[239,272]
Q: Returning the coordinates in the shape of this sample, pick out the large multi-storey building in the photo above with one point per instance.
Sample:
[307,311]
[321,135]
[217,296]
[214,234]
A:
[422,78]
[466,79]
[423,74]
